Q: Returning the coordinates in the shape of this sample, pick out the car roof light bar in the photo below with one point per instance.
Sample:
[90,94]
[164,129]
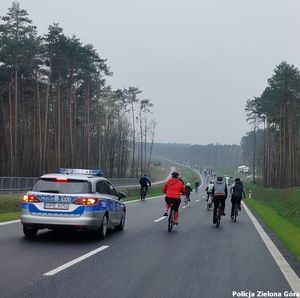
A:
[94,172]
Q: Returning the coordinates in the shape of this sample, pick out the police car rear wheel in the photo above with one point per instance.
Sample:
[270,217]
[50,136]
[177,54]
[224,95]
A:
[30,232]
[120,227]
[103,229]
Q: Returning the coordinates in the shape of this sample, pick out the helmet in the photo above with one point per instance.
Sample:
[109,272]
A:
[212,181]
[219,178]
[175,174]
[188,184]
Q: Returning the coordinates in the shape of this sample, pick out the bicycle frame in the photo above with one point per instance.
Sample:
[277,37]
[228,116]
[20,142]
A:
[186,200]
[209,202]
[235,211]
[143,193]
[218,216]
[171,218]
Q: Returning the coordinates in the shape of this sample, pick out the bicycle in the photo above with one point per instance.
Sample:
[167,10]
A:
[235,212]
[143,193]
[209,202]
[218,216]
[186,200]
[171,218]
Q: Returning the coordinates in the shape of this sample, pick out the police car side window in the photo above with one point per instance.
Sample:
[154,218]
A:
[102,187]
[112,190]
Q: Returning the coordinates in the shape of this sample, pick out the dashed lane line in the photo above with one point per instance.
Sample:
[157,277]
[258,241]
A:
[75,261]
[160,219]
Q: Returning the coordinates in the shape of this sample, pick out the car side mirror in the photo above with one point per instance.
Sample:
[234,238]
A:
[121,195]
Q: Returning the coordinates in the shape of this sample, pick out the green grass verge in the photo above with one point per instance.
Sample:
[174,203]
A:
[158,173]
[285,202]
[287,232]
[10,205]
[134,193]
[9,216]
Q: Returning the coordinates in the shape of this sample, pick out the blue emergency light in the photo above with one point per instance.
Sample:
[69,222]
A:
[94,172]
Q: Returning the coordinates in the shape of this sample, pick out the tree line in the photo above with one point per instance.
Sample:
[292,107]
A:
[202,155]
[57,109]
[277,111]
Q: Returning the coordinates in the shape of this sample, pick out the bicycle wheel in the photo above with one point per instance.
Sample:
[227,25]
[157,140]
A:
[143,194]
[170,220]
[185,201]
[218,217]
[235,211]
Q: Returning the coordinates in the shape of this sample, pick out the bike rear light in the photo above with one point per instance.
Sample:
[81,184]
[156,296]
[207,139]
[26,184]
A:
[30,199]
[62,179]
[86,201]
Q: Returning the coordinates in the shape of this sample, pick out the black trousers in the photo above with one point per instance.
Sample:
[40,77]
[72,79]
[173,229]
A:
[217,201]
[234,200]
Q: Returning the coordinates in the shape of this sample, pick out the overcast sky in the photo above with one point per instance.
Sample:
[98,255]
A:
[197,60]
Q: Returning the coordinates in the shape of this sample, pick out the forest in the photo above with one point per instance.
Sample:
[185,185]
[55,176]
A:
[274,142]
[202,155]
[56,109]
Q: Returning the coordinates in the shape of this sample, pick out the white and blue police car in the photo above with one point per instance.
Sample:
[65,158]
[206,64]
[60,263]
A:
[78,199]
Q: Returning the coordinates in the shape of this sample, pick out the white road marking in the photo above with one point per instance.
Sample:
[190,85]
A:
[184,206]
[9,222]
[147,198]
[75,261]
[160,219]
[197,201]
[283,265]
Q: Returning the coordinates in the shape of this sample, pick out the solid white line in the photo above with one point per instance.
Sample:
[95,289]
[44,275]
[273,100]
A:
[283,265]
[73,262]
[9,222]
[161,218]
[147,198]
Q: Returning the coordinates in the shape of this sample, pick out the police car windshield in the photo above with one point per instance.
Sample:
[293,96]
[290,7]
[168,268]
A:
[71,187]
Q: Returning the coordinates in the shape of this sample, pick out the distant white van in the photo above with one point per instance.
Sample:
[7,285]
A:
[243,169]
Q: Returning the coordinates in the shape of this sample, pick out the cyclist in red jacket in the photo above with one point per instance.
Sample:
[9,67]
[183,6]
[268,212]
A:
[173,188]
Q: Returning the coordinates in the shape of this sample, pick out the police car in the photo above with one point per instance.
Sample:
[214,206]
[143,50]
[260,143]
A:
[78,199]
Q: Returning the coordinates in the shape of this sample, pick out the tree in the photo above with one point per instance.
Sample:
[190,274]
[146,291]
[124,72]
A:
[278,109]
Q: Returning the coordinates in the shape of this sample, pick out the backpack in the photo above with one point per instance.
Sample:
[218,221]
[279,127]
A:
[237,190]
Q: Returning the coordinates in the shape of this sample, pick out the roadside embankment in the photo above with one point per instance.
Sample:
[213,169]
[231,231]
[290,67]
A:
[280,210]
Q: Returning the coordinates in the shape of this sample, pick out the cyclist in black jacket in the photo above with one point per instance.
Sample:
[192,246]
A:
[237,191]
[144,182]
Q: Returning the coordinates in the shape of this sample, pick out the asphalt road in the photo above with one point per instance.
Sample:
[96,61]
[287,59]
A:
[195,260]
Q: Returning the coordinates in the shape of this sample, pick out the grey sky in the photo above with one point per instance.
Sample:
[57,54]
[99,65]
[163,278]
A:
[198,61]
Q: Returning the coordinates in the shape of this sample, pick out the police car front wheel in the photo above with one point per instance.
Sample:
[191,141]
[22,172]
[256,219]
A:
[30,232]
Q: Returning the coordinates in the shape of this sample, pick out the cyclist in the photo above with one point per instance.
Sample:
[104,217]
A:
[188,190]
[219,193]
[181,179]
[197,185]
[237,191]
[144,182]
[173,188]
[209,188]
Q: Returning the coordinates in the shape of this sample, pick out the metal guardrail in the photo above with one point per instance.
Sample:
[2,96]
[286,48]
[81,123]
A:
[19,184]
[16,184]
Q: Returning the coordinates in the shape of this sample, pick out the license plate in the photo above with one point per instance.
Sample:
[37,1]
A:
[57,206]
